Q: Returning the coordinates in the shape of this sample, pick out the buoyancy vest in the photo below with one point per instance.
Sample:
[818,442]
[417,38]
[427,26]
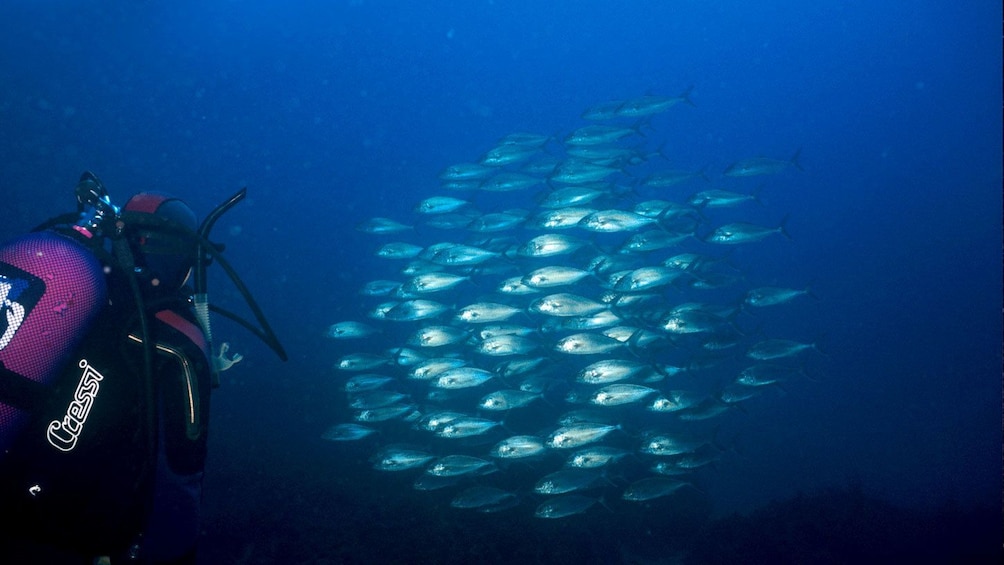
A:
[77,469]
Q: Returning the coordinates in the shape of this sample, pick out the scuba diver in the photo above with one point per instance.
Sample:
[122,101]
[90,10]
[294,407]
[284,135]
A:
[106,367]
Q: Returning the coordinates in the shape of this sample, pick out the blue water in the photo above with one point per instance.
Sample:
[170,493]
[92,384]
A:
[334,112]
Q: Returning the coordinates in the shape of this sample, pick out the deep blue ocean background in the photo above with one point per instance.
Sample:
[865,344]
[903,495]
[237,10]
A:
[332,112]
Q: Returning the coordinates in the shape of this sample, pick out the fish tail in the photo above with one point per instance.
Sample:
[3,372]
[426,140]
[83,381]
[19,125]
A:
[685,95]
[782,229]
[794,159]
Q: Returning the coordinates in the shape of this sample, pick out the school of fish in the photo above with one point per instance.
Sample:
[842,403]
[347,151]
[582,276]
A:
[563,324]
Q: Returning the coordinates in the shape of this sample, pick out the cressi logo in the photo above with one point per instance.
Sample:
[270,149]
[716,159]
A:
[63,434]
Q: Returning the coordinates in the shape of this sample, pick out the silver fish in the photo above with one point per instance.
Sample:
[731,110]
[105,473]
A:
[399,250]
[363,383]
[431,368]
[576,171]
[466,427]
[762,166]
[772,295]
[462,377]
[350,330]
[742,232]
[507,400]
[587,344]
[564,304]
[382,226]
[563,506]
[562,218]
[484,499]
[611,221]
[361,362]
[486,312]
[620,393]
[505,345]
[440,205]
[577,435]
[649,105]
[400,459]
[347,432]
[379,288]
[718,198]
[549,245]
[595,457]
[433,282]
[509,153]
[571,196]
[518,447]
[548,277]
[384,413]
[611,370]
[374,399]
[567,480]
[770,349]
[460,465]
[437,336]
[598,135]
[651,488]
[418,309]
[466,171]
[509,181]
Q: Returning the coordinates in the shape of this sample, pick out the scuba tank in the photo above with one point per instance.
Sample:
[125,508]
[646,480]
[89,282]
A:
[51,287]
[80,348]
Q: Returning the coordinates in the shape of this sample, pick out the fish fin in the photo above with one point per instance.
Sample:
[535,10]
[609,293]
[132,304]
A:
[794,159]
[685,95]
[782,229]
